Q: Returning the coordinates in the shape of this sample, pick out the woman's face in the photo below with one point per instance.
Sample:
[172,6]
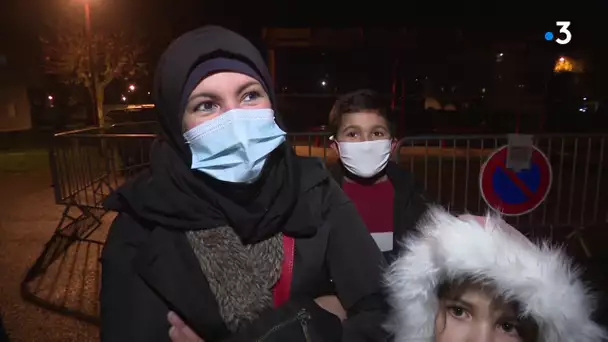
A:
[475,317]
[220,93]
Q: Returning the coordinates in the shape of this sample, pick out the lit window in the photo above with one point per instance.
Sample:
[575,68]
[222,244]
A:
[563,64]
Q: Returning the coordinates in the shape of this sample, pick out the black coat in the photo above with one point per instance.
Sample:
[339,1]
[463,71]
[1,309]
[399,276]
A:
[410,202]
[3,334]
[149,270]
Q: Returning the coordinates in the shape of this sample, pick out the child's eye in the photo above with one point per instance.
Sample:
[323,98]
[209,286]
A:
[509,328]
[458,312]
[378,134]
[351,134]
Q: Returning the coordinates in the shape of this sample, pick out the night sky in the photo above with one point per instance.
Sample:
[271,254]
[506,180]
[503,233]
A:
[439,37]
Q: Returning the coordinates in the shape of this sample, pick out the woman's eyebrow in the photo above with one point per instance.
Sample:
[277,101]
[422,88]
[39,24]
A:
[246,85]
[210,96]
[215,97]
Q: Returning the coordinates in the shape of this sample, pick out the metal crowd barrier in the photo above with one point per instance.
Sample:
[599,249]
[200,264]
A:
[449,167]
[87,165]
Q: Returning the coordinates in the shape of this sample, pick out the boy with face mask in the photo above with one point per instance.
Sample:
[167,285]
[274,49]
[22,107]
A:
[387,197]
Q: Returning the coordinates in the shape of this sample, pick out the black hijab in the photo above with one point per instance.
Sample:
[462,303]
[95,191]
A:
[172,195]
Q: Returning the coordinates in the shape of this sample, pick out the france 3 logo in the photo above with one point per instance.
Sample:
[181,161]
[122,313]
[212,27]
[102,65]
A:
[565,36]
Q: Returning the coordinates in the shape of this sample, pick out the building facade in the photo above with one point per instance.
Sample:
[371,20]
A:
[15,113]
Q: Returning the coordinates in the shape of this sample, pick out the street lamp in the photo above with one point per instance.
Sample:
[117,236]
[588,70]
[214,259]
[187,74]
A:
[92,67]
[132,88]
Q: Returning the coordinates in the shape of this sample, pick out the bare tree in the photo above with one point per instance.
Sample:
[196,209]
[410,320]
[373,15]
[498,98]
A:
[115,54]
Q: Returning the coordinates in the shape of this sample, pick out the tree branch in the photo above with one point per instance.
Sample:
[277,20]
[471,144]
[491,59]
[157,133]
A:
[115,55]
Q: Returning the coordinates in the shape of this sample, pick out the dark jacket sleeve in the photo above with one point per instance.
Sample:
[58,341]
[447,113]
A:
[130,311]
[3,334]
[323,326]
[356,267]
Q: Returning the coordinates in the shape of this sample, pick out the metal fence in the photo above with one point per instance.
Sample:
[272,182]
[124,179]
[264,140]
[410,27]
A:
[449,168]
[87,165]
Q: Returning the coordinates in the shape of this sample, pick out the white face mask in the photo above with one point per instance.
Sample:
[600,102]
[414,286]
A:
[366,158]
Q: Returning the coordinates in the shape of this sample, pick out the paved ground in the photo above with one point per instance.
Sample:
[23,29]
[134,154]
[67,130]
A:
[28,216]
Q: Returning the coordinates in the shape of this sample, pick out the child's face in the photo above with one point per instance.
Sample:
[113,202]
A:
[362,126]
[475,317]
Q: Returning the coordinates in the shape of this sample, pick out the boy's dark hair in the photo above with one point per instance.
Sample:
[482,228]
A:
[359,101]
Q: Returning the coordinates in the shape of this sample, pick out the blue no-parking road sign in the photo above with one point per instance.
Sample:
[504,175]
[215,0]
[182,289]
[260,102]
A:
[512,192]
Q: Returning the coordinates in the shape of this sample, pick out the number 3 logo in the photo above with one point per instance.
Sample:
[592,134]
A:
[564,29]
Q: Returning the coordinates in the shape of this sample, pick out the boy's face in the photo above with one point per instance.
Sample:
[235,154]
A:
[476,317]
[363,126]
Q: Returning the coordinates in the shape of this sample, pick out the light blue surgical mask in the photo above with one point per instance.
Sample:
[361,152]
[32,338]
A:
[234,146]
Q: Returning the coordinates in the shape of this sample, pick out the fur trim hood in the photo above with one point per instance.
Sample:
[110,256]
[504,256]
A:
[540,277]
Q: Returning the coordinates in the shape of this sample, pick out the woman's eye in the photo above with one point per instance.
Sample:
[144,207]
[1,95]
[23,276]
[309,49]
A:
[205,107]
[251,96]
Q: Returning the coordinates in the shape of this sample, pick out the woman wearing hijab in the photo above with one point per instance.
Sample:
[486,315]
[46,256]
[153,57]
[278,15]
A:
[478,279]
[229,230]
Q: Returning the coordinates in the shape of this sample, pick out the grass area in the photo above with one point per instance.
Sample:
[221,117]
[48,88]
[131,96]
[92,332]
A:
[25,160]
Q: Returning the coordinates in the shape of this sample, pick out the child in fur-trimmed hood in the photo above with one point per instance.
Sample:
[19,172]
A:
[464,279]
